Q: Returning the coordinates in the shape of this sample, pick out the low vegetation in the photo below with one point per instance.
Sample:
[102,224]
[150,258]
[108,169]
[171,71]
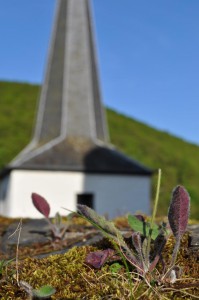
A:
[178,159]
[153,262]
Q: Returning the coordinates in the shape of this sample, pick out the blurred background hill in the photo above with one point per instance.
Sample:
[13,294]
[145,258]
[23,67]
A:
[177,158]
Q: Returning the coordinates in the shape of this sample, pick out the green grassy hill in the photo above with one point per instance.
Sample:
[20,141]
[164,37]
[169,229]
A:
[178,159]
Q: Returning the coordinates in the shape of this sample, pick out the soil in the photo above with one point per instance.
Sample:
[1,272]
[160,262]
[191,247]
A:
[36,240]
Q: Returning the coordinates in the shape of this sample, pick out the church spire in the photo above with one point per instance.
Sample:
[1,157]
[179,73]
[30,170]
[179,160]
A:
[70,103]
[70,112]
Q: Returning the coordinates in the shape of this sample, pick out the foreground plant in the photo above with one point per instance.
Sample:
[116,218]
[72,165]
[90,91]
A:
[142,255]
[58,229]
[73,279]
[138,258]
[178,216]
[43,292]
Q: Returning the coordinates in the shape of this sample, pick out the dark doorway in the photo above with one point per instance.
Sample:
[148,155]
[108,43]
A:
[86,199]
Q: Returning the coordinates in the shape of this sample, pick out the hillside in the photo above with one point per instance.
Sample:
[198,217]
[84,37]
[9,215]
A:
[178,159]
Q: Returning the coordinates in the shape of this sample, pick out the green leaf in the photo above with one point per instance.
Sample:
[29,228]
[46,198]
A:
[114,268]
[44,292]
[107,227]
[58,220]
[142,227]
[136,225]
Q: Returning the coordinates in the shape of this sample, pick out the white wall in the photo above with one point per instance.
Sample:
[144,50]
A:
[113,194]
[117,195]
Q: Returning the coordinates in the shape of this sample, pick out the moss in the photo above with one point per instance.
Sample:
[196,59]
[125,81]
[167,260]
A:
[73,279]
[69,275]
[187,257]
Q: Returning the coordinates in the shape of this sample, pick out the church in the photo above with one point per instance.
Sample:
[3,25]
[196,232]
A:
[70,159]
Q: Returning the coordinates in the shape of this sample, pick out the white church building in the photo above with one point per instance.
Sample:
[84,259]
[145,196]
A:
[70,160]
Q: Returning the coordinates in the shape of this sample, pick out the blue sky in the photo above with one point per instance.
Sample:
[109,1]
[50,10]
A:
[148,54]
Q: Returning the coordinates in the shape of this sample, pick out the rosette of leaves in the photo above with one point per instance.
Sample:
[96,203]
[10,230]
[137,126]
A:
[109,231]
[139,257]
[142,257]
[140,238]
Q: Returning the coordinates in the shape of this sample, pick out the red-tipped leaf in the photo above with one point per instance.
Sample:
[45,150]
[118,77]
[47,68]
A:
[179,211]
[41,204]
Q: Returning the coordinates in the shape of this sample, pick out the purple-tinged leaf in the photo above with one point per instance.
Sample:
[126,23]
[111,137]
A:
[137,243]
[178,216]
[140,218]
[136,239]
[179,211]
[159,244]
[41,204]
[98,258]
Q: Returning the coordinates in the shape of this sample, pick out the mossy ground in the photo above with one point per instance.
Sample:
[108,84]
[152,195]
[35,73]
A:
[74,279]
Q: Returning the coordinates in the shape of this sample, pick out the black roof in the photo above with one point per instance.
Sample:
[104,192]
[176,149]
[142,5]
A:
[80,155]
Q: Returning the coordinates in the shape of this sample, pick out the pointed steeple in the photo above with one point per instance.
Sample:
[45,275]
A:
[70,104]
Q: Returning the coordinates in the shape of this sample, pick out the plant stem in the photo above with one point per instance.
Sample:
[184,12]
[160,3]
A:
[175,251]
[156,198]
[153,216]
